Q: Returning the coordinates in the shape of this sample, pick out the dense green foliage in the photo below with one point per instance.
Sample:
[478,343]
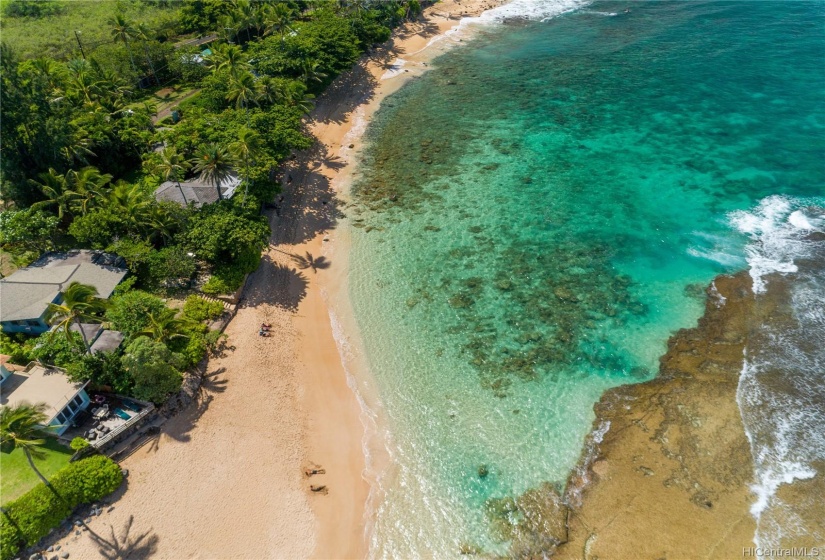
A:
[88,135]
[198,309]
[57,349]
[34,514]
[80,166]
[18,347]
[129,313]
[79,443]
[153,368]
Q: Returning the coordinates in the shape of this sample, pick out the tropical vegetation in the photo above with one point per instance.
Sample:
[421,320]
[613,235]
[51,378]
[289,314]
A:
[22,429]
[101,102]
[30,517]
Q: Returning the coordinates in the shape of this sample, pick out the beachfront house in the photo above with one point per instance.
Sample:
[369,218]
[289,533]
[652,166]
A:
[39,384]
[197,192]
[26,294]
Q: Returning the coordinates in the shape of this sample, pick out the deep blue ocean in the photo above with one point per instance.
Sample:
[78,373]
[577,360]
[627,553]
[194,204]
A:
[541,211]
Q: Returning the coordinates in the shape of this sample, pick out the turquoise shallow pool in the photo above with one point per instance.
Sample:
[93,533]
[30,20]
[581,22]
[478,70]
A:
[541,211]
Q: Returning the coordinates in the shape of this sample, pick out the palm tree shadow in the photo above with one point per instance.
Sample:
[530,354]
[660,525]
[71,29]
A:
[211,384]
[281,286]
[181,426]
[127,546]
[352,88]
[311,204]
[306,261]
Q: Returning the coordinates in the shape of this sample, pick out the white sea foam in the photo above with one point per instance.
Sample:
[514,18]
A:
[597,13]
[781,388]
[526,10]
[722,249]
[534,10]
[777,230]
[718,256]
[396,68]
[717,297]
[799,220]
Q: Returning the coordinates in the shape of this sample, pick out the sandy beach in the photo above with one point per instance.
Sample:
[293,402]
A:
[225,478]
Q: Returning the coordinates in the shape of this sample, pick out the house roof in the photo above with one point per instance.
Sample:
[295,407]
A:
[40,384]
[89,331]
[27,293]
[196,191]
[107,341]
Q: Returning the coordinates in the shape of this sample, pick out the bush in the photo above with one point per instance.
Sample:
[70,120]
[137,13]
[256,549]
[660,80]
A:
[194,350]
[221,233]
[18,346]
[39,510]
[170,267]
[79,443]
[198,309]
[32,8]
[154,369]
[103,369]
[129,313]
[224,280]
[55,348]
[97,228]
[9,539]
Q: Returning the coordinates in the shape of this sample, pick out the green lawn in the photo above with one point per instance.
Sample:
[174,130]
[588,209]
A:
[55,35]
[17,477]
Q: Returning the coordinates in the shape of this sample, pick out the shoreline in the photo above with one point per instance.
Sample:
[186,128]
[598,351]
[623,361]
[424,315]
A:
[338,123]
[225,477]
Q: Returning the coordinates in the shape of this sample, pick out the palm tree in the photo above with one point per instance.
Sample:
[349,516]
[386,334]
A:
[246,149]
[51,72]
[110,89]
[172,167]
[244,15]
[259,19]
[293,93]
[227,29]
[56,189]
[122,31]
[159,220]
[310,71]
[78,147]
[22,427]
[277,19]
[86,184]
[143,33]
[214,164]
[228,57]
[129,202]
[82,82]
[268,89]
[80,303]
[165,327]
[242,90]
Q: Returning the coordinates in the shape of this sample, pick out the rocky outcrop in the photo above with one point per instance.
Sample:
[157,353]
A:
[670,477]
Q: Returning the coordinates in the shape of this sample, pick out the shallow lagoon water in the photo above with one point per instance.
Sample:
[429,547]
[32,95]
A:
[540,212]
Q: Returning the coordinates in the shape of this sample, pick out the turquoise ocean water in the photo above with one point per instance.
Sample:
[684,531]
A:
[541,211]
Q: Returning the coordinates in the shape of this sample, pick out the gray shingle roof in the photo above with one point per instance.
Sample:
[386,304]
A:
[107,341]
[27,293]
[196,191]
